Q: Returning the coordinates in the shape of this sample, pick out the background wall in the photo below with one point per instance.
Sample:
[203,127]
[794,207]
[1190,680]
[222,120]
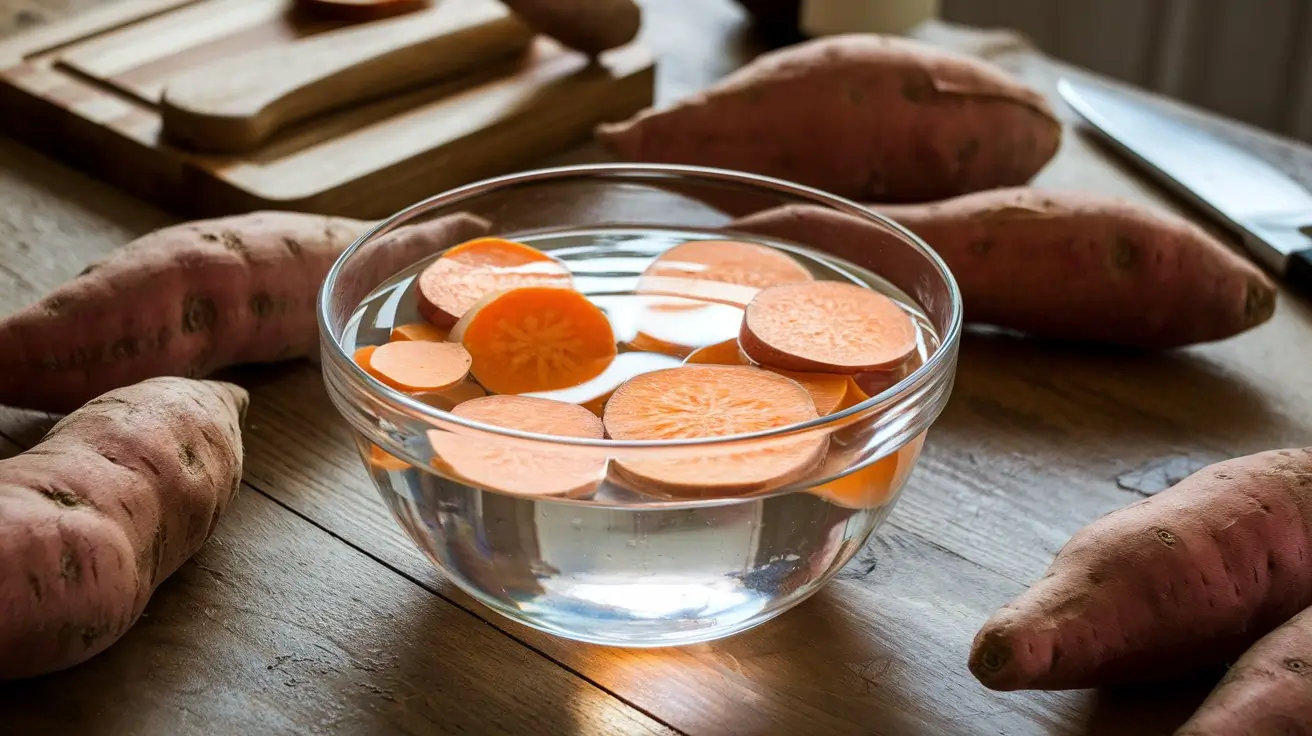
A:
[1248,59]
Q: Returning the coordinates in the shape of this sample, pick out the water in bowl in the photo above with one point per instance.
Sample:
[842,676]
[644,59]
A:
[615,568]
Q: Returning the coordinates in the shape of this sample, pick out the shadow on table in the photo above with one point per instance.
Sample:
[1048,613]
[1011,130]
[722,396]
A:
[1042,386]
[1146,709]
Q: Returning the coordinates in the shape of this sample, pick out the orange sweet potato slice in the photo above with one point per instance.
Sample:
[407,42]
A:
[710,269]
[826,327]
[466,273]
[514,467]
[384,460]
[875,484]
[536,338]
[677,326]
[420,366]
[593,394]
[418,331]
[694,401]
[828,390]
[449,399]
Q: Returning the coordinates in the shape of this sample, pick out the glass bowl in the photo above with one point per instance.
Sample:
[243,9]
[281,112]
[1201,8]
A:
[618,564]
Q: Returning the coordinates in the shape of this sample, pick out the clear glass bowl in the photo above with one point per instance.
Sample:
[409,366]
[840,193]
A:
[615,566]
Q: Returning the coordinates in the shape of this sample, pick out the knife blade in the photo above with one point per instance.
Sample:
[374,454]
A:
[1269,211]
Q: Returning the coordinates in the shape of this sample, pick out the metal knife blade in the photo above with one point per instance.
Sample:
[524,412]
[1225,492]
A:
[1269,210]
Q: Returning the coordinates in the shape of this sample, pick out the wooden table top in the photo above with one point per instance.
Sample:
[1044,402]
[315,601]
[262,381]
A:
[309,611]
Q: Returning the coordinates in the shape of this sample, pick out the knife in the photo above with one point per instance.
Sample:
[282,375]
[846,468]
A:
[1268,210]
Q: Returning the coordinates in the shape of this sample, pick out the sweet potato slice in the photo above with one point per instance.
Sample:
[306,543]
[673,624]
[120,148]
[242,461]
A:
[468,272]
[418,331]
[515,467]
[828,390]
[678,326]
[384,460]
[450,398]
[701,269]
[694,401]
[536,338]
[593,394]
[420,366]
[875,484]
[115,498]
[826,327]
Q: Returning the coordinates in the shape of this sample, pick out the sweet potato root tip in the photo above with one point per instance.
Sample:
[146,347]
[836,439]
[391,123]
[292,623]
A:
[723,261]
[694,401]
[455,282]
[115,498]
[875,484]
[515,467]
[420,366]
[418,331]
[536,338]
[1227,544]
[828,390]
[826,327]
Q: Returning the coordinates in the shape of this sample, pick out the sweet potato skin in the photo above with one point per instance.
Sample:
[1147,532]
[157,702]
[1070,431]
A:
[1186,579]
[116,497]
[188,300]
[590,26]
[1268,692]
[863,116]
[1064,265]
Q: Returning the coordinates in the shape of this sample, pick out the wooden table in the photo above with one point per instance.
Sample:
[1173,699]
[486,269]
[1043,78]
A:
[310,612]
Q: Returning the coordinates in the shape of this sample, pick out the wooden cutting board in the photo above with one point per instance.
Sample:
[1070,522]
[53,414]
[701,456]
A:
[87,91]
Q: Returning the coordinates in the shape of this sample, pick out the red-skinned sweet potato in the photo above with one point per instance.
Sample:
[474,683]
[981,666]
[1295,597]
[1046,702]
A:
[1183,580]
[863,116]
[193,298]
[590,26]
[1061,265]
[1268,692]
[115,498]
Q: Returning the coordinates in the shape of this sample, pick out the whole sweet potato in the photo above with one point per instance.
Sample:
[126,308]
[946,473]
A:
[1268,692]
[863,116]
[1183,580]
[590,26]
[115,498]
[190,299]
[1063,265]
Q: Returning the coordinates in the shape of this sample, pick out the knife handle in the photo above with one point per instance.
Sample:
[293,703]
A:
[235,104]
[1299,272]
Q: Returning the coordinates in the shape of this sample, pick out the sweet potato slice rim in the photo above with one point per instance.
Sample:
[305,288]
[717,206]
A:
[827,327]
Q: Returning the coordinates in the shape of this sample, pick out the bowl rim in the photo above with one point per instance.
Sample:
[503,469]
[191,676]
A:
[933,368]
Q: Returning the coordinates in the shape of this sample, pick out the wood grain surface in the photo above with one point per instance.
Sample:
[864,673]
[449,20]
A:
[1030,448]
